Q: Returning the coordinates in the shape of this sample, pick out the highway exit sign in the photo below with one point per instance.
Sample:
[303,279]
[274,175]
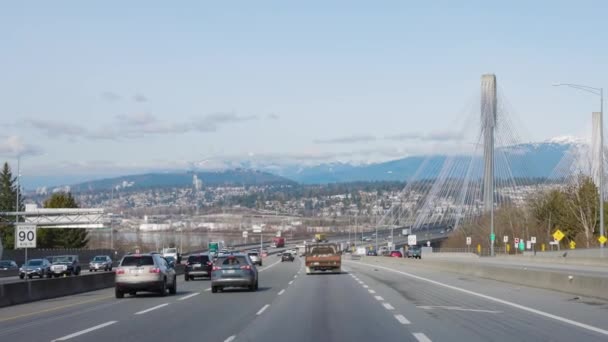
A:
[492,237]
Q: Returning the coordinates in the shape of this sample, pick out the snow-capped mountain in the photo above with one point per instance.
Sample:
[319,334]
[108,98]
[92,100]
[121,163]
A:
[529,160]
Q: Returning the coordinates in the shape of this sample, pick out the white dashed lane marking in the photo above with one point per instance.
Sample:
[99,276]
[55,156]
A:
[82,332]
[263,309]
[151,309]
[402,319]
[421,337]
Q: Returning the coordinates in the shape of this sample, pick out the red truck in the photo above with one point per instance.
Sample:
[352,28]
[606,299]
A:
[278,242]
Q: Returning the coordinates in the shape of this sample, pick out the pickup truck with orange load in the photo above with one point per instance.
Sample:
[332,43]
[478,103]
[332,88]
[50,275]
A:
[323,257]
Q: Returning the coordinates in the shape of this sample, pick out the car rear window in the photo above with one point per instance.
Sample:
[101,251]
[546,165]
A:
[99,258]
[193,259]
[253,253]
[239,260]
[145,260]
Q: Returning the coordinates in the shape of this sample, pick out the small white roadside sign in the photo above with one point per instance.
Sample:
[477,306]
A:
[25,236]
[411,240]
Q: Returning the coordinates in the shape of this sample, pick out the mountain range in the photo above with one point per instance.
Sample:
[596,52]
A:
[530,160]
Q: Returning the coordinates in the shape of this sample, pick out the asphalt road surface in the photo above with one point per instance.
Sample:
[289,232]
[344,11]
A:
[369,301]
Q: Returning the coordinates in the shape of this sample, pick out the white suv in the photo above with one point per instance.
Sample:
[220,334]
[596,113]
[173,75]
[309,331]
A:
[145,272]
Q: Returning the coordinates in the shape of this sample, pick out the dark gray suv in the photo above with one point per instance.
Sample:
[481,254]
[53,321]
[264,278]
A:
[235,270]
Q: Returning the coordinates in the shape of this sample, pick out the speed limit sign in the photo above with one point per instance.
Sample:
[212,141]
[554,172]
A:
[25,236]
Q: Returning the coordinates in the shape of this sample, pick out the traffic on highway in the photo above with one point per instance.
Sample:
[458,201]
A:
[296,297]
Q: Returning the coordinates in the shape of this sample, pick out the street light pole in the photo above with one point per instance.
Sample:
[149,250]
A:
[112,221]
[599,92]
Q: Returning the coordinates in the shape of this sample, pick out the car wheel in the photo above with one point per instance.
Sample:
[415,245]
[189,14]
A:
[21,276]
[77,271]
[163,288]
[110,268]
[256,285]
[191,277]
[214,289]
[173,288]
[118,293]
[133,293]
[186,277]
[30,276]
[49,275]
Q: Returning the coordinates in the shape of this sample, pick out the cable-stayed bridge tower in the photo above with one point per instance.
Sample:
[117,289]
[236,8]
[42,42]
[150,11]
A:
[488,127]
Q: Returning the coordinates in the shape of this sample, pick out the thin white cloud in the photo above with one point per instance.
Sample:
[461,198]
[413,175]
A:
[347,140]
[138,125]
[110,96]
[56,128]
[140,98]
[14,146]
[432,136]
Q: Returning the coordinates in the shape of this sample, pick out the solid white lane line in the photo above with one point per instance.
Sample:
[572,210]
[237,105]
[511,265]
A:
[379,298]
[456,308]
[190,296]
[230,339]
[82,332]
[497,300]
[151,309]
[263,309]
[208,289]
[291,282]
[388,306]
[281,292]
[269,266]
[421,337]
[371,291]
[402,319]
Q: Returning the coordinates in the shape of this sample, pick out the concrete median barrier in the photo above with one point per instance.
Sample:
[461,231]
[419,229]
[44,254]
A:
[10,273]
[581,285]
[29,291]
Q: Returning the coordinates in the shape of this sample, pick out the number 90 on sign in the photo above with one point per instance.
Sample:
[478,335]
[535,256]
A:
[25,237]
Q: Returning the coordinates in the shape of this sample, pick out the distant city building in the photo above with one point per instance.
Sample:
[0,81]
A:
[198,184]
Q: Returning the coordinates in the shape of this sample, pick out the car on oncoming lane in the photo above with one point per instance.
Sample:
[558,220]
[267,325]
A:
[198,265]
[235,270]
[8,265]
[35,267]
[65,265]
[100,262]
[145,272]
[414,252]
[395,254]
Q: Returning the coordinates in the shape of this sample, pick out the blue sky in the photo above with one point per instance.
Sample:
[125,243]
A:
[121,87]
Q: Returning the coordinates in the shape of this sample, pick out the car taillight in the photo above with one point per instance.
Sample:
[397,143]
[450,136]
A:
[120,271]
[209,263]
[216,268]
[154,270]
[246,267]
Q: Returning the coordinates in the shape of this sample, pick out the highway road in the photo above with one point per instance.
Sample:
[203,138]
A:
[371,300]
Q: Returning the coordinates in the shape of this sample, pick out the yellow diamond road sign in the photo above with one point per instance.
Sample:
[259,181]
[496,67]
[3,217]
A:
[602,239]
[558,235]
[572,245]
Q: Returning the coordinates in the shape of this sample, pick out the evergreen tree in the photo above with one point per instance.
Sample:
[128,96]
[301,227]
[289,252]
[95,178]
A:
[62,237]
[8,198]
